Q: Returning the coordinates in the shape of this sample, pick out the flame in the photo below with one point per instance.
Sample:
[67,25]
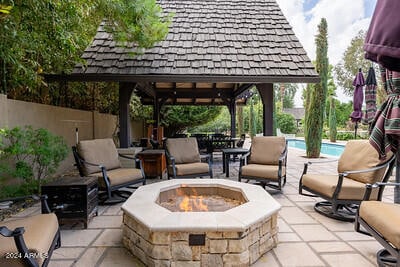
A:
[192,202]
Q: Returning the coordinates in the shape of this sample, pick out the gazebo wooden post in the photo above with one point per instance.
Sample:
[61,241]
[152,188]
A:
[266,91]
[125,93]
[232,111]
[156,111]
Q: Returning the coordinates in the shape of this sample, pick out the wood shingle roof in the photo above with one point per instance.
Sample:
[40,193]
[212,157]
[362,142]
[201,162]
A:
[237,41]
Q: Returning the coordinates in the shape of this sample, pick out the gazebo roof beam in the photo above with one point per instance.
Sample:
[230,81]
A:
[94,77]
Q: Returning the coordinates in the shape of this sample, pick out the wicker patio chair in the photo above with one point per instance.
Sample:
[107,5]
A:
[382,221]
[29,241]
[343,191]
[99,158]
[266,162]
[184,159]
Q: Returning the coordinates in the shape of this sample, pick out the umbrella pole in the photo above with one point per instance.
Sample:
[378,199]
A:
[355,130]
[397,188]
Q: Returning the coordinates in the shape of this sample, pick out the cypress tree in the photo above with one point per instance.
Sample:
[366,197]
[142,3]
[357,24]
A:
[332,120]
[252,129]
[315,112]
[240,120]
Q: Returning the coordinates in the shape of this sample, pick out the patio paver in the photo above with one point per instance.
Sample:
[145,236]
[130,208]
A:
[306,238]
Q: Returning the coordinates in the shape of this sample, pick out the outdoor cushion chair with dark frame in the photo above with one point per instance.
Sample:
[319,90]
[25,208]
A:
[100,158]
[358,165]
[29,241]
[381,220]
[184,159]
[266,162]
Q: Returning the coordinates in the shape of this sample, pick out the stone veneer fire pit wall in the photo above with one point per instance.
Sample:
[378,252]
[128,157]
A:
[235,237]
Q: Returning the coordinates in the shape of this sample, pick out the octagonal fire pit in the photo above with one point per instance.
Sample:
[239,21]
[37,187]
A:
[210,222]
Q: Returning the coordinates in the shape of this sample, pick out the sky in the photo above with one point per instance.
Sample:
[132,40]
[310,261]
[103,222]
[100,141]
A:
[345,19]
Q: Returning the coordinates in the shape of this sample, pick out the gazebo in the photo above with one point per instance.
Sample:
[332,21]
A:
[214,52]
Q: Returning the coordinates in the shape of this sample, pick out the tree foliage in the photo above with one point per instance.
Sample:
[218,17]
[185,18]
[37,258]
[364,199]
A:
[316,108]
[343,111]
[176,119]
[219,124]
[284,93]
[49,36]
[353,59]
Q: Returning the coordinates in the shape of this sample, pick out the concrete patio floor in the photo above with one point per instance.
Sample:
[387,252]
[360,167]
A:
[306,238]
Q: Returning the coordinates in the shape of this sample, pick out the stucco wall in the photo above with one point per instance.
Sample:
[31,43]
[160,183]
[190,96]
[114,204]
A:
[58,120]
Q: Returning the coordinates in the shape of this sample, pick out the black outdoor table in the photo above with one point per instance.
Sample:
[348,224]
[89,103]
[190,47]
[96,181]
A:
[226,153]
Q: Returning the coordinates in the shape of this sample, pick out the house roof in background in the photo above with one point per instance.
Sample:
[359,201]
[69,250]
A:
[298,113]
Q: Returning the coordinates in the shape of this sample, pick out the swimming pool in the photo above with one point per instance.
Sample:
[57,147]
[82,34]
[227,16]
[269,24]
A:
[326,148]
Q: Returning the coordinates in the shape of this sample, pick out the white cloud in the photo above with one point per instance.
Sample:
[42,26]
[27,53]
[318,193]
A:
[345,19]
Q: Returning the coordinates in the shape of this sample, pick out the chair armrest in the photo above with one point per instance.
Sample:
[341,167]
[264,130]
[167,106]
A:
[125,156]
[4,231]
[19,241]
[45,205]
[321,161]
[283,156]
[308,163]
[242,159]
[81,160]
[346,173]
[205,156]
[138,162]
[369,187]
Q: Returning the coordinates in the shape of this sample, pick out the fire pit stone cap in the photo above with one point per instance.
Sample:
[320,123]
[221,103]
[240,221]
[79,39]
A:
[142,206]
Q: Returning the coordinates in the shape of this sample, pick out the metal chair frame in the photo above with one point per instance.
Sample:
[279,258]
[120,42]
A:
[23,250]
[171,162]
[108,196]
[390,255]
[281,181]
[342,209]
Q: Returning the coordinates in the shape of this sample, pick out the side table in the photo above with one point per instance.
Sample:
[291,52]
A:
[154,162]
[226,153]
[73,198]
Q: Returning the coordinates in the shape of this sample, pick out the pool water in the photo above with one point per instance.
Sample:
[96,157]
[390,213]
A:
[326,148]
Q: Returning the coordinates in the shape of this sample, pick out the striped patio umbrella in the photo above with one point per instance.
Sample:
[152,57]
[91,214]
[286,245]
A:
[358,99]
[370,96]
[382,46]
[385,133]
[385,130]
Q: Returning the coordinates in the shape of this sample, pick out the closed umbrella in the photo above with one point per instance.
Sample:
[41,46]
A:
[358,99]
[370,96]
[382,46]
[385,133]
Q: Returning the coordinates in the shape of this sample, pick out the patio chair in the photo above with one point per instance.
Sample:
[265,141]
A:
[266,162]
[184,159]
[240,142]
[203,142]
[99,158]
[29,241]
[343,191]
[382,221]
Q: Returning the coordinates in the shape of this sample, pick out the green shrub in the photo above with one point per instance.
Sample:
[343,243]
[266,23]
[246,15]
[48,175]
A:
[29,156]
[286,122]
[344,136]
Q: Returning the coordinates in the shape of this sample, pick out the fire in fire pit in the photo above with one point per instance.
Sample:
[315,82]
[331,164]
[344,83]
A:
[198,199]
